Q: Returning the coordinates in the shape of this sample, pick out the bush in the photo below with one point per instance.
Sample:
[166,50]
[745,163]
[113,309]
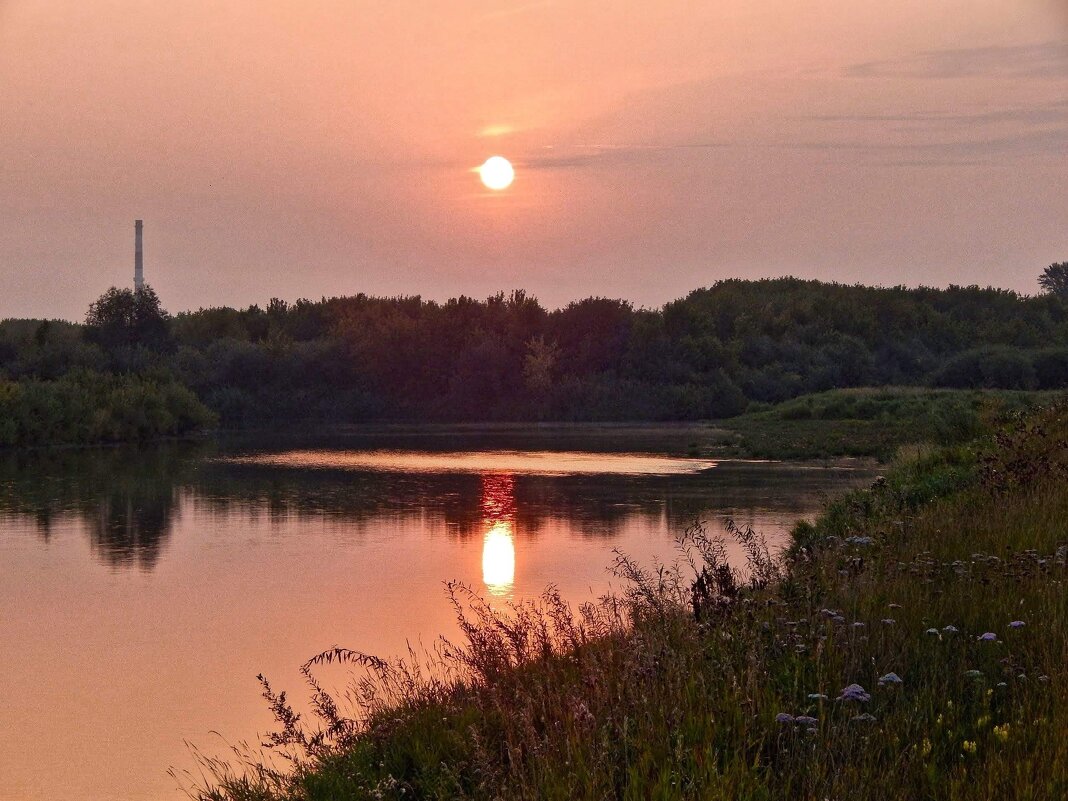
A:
[87,407]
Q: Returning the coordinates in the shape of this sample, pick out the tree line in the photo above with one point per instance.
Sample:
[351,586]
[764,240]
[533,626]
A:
[712,354]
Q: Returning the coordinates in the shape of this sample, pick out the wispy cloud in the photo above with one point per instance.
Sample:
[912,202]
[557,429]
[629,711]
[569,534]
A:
[1040,114]
[1045,60]
[605,154]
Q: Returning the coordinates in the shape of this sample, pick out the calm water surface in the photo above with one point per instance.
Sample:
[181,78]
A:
[142,590]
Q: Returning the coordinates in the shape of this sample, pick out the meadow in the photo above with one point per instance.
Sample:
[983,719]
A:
[912,645]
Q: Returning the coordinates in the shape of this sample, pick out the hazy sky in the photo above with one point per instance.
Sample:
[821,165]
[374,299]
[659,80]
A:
[323,147]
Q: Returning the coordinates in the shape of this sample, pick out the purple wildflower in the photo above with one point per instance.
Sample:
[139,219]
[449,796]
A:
[988,637]
[783,717]
[1017,624]
[864,718]
[805,720]
[890,678]
[854,692]
[950,629]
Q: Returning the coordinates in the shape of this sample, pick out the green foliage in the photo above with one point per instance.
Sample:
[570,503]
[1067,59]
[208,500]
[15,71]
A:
[87,407]
[124,318]
[710,354]
[714,354]
[870,422]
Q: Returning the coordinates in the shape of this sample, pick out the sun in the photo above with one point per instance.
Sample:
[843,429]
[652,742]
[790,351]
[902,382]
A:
[497,173]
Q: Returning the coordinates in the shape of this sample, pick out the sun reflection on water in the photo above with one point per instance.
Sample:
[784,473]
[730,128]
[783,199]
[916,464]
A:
[498,546]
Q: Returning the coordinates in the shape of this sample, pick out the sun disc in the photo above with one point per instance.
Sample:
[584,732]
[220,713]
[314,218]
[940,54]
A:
[497,173]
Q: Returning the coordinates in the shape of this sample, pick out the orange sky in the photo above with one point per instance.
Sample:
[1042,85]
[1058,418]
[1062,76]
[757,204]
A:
[284,148]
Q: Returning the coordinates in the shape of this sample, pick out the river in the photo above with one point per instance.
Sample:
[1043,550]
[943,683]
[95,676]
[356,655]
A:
[143,589]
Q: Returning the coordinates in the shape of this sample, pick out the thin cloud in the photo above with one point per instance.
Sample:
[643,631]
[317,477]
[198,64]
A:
[1046,60]
[1040,114]
[604,154]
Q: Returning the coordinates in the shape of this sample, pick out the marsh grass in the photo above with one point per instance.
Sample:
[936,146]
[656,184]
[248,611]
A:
[701,681]
[870,422]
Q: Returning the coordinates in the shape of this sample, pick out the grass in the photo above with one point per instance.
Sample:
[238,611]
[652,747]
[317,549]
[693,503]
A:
[703,683]
[868,422]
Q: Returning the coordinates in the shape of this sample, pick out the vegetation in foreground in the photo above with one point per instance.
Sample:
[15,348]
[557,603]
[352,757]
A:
[913,646]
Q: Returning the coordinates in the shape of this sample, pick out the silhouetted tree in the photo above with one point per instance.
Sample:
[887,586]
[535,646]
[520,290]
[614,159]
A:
[124,317]
[1054,279]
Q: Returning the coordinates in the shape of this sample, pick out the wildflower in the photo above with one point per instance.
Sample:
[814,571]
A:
[988,637]
[838,619]
[1043,679]
[806,720]
[950,629]
[1002,732]
[925,748]
[890,678]
[973,674]
[854,692]
[932,632]
[889,621]
[783,717]
[895,606]
[858,625]
[1002,685]
[1017,624]
[983,721]
[856,540]
[969,746]
[864,718]
[817,697]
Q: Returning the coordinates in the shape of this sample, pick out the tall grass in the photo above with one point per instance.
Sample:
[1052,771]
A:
[939,592]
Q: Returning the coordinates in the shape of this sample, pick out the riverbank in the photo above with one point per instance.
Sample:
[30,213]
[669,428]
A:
[868,422]
[918,633]
[87,409]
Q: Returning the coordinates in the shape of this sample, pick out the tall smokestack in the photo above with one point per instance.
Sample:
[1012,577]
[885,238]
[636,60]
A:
[139,256]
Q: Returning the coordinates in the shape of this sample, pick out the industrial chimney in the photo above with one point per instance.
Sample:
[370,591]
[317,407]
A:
[139,257]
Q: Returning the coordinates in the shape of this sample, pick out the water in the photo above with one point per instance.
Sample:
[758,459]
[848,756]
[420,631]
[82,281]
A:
[142,590]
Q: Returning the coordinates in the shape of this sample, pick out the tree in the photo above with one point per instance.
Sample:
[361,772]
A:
[539,363]
[125,317]
[1054,279]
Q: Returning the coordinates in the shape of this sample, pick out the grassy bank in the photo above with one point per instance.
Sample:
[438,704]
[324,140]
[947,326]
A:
[868,422]
[914,646]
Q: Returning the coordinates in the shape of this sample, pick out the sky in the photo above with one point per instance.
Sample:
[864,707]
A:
[309,148]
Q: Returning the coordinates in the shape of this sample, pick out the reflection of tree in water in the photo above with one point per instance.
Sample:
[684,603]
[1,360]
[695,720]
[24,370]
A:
[126,497]
[131,527]
[594,505]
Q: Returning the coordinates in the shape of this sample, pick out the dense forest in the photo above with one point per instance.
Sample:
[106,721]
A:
[713,354]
